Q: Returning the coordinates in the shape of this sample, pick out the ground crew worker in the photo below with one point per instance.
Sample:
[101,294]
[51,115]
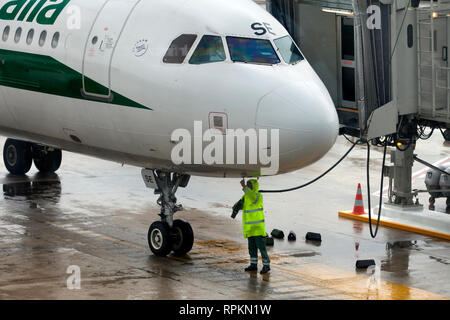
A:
[254,226]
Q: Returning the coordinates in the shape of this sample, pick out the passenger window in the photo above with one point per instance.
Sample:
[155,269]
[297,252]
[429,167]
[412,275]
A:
[42,38]
[210,49]
[30,36]
[252,51]
[5,35]
[18,35]
[179,48]
[55,40]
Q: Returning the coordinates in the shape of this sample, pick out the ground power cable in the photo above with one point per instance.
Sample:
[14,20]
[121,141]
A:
[374,234]
[354,144]
[319,177]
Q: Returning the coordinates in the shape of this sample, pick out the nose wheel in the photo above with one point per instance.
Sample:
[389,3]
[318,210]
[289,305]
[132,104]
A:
[159,238]
[183,237]
[162,239]
[168,235]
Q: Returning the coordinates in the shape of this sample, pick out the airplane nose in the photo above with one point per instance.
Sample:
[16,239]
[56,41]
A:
[307,121]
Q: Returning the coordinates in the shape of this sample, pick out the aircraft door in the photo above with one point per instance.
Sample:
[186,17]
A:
[100,46]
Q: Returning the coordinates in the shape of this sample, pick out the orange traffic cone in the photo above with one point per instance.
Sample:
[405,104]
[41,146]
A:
[358,209]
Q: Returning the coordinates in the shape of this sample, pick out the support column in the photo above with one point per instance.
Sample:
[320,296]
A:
[402,189]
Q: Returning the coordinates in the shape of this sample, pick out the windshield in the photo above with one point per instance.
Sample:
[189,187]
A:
[179,48]
[252,51]
[288,50]
[210,49]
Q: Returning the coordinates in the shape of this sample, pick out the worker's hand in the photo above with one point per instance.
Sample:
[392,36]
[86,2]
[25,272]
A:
[243,183]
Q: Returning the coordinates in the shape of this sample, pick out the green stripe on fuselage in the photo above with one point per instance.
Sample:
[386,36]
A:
[44,74]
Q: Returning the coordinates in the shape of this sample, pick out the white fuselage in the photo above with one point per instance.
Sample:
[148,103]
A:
[137,99]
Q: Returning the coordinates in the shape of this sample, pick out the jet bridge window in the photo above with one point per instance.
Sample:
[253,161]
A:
[210,49]
[252,51]
[179,48]
[288,50]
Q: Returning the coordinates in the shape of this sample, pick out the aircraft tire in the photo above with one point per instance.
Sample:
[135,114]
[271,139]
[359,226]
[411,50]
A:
[17,156]
[159,238]
[183,237]
[48,162]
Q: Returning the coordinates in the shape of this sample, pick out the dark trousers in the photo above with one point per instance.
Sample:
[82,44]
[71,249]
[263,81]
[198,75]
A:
[255,243]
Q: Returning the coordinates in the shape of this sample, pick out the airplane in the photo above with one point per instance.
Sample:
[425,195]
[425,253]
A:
[114,79]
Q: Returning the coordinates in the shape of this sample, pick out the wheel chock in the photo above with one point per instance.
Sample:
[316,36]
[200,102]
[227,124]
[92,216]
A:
[311,236]
[292,236]
[269,241]
[277,234]
[364,264]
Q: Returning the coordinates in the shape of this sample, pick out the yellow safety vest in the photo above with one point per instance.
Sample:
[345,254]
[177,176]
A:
[253,215]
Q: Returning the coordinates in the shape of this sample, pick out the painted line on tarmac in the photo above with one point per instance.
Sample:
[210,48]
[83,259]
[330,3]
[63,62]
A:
[317,281]
[94,234]
[213,256]
[396,225]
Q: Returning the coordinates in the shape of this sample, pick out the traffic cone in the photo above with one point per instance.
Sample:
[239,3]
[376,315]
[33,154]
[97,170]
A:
[358,209]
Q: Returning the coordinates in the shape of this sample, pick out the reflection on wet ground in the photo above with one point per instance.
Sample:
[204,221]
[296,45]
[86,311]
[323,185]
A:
[96,217]
[44,187]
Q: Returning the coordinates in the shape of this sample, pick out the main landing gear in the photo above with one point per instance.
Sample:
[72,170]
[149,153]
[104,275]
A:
[19,155]
[168,234]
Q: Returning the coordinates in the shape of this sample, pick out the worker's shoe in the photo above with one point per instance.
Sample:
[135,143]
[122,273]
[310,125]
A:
[251,267]
[265,269]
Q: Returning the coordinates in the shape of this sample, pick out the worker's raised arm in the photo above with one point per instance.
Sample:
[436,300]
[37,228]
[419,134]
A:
[249,191]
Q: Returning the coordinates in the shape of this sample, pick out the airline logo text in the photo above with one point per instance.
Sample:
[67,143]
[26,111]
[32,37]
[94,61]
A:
[40,11]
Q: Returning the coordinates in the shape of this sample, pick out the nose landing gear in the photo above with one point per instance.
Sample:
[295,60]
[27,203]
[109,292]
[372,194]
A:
[168,235]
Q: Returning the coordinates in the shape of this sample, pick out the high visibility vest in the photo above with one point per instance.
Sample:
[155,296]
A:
[253,212]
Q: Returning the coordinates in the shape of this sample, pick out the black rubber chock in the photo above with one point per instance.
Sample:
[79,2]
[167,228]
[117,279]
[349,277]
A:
[292,236]
[278,234]
[269,242]
[364,264]
[311,236]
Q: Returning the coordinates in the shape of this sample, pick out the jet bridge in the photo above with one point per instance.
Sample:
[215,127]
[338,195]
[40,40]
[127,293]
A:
[386,66]
[376,54]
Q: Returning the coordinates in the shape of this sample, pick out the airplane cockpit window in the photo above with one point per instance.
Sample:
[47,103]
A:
[210,49]
[179,48]
[288,50]
[252,51]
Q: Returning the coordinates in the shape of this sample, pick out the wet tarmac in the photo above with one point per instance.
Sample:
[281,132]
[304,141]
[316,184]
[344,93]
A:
[95,215]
